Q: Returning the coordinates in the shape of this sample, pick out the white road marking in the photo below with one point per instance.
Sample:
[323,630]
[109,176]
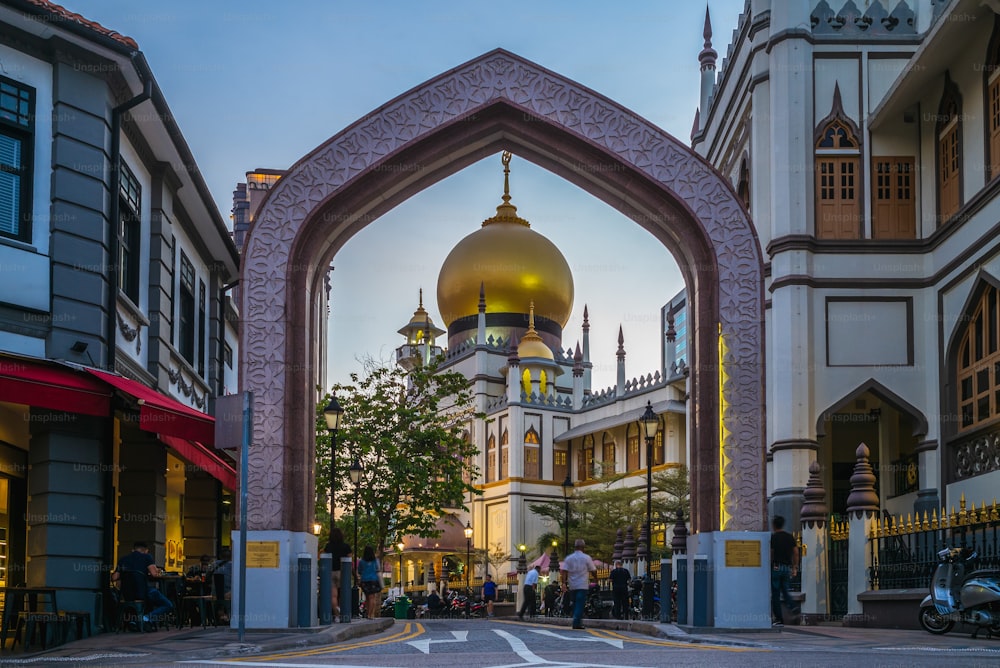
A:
[532,659]
[921,648]
[85,657]
[425,645]
[579,638]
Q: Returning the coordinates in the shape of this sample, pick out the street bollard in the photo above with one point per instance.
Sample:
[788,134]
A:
[304,590]
[346,589]
[325,588]
[666,584]
[648,587]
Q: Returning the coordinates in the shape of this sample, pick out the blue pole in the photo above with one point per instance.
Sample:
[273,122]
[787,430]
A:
[346,589]
[244,481]
[304,579]
[325,588]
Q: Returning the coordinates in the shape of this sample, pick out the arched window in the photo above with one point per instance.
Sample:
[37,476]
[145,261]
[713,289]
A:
[949,151]
[491,458]
[526,382]
[659,454]
[608,453]
[560,464]
[743,185]
[991,86]
[531,450]
[838,175]
[585,463]
[978,368]
[543,383]
[632,449]
[504,455]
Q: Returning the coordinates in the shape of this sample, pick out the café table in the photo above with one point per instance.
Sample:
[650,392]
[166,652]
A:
[26,606]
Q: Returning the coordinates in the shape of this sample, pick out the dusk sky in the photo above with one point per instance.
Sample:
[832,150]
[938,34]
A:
[260,84]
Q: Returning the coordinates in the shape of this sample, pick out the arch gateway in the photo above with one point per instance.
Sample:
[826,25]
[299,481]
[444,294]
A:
[496,102]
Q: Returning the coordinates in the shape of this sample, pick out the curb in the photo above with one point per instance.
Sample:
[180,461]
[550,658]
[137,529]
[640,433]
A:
[336,633]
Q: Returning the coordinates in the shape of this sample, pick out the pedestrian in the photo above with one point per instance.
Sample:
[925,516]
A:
[551,595]
[575,572]
[369,574]
[784,565]
[530,581]
[338,549]
[489,593]
[619,577]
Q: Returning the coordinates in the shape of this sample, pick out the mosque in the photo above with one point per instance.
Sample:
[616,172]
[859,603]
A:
[505,293]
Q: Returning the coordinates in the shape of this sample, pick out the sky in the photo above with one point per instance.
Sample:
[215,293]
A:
[260,84]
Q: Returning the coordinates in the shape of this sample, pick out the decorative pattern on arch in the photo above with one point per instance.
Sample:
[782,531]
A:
[694,196]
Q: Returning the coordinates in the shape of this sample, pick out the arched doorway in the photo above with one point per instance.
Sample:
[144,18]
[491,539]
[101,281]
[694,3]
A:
[502,102]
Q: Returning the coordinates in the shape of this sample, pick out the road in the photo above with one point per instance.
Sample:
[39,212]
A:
[508,644]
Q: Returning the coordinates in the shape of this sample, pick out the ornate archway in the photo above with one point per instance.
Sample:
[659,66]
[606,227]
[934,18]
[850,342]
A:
[495,102]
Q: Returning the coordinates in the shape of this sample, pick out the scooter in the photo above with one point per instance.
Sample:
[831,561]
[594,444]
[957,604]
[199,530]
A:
[956,597]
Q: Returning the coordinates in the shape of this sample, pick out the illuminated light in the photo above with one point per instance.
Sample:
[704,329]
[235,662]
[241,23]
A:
[723,432]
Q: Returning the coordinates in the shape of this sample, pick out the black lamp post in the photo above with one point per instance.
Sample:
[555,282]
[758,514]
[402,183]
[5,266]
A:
[332,413]
[567,490]
[468,557]
[355,471]
[650,423]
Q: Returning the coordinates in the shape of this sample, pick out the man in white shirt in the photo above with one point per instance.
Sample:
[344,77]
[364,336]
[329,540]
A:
[575,571]
[530,580]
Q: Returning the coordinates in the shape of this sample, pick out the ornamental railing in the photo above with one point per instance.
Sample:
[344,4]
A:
[904,552]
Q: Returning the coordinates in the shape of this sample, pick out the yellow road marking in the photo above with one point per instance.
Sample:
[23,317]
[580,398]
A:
[409,632]
[607,633]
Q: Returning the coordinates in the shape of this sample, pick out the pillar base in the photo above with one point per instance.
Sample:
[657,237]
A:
[272,597]
[729,580]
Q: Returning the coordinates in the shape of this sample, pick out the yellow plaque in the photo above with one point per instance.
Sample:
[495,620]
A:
[262,553]
[743,554]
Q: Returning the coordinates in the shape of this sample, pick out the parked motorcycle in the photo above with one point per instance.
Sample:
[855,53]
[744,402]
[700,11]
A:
[955,596]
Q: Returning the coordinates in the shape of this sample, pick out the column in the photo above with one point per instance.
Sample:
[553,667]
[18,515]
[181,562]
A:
[813,562]
[862,511]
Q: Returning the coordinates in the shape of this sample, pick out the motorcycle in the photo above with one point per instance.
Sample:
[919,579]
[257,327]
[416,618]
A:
[955,596]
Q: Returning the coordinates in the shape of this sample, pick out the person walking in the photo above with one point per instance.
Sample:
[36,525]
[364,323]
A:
[575,571]
[489,593]
[784,565]
[337,548]
[371,581]
[619,577]
[530,581]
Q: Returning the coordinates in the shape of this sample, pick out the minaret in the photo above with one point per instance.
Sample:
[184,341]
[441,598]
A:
[707,60]
[671,336]
[578,378]
[587,366]
[481,320]
[621,364]
[420,333]
[513,374]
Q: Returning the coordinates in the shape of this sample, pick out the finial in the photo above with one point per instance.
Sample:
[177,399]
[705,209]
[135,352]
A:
[482,296]
[586,319]
[421,304]
[506,212]
[621,344]
[531,315]
[708,54]
[707,32]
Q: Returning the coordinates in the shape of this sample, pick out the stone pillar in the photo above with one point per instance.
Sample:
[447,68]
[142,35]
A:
[642,551]
[928,462]
[862,512]
[813,562]
[619,541]
[628,552]
[200,520]
[142,495]
[429,583]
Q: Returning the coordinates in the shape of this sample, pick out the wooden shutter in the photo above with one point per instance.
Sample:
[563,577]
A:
[949,160]
[993,95]
[837,201]
[894,211]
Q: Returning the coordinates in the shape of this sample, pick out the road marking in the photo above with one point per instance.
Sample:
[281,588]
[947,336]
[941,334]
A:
[531,659]
[67,659]
[409,631]
[425,645]
[579,638]
[922,648]
[607,633]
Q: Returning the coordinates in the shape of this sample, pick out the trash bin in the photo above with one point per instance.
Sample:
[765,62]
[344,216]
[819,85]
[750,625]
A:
[402,607]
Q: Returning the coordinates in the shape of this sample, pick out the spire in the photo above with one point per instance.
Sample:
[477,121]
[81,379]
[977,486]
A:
[586,319]
[420,304]
[577,362]
[621,343]
[482,296]
[506,212]
[708,54]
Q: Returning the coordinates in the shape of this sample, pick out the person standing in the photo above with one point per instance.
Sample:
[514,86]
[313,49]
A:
[371,581]
[530,581]
[619,577]
[337,548]
[489,593]
[784,565]
[575,571]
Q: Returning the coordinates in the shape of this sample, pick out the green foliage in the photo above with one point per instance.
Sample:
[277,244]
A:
[407,430]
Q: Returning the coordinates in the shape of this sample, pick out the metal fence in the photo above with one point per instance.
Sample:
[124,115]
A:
[839,566]
[904,552]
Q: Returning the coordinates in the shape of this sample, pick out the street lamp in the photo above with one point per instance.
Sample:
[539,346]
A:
[650,423]
[332,414]
[468,565]
[355,472]
[567,490]
[554,559]
[400,546]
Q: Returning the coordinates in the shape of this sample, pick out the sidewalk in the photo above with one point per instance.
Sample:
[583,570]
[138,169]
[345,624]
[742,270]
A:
[106,649]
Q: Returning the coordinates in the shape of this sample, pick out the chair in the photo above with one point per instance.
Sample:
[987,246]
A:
[36,608]
[201,597]
[223,605]
[132,597]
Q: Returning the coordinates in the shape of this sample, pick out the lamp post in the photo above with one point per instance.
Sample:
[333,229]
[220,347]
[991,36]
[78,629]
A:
[649,425]
[355,471]
[401,546]
[567,490]
[332,414]
[468,565]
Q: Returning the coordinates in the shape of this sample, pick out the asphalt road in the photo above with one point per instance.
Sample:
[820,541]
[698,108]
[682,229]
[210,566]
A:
[508,644]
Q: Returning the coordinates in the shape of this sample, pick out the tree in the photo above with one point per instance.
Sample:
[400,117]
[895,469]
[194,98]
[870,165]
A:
[407,429]
[497,558]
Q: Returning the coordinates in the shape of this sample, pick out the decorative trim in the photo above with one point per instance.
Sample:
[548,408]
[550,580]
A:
[929,445]
[177,378]
[795,444]
[130,334]
[976,456]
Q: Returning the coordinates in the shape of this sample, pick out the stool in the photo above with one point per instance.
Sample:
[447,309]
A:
[204,606]
[75,619]
[29,621]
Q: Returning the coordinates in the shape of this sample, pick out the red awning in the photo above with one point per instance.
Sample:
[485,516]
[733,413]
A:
[203,458]
[160,414]
[53,387]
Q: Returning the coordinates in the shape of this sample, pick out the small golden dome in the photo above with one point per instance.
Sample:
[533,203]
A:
[531,344]
[515,264]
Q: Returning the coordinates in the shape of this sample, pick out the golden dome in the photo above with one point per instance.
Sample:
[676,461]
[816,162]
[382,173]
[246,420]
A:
[515,264]
[531,344]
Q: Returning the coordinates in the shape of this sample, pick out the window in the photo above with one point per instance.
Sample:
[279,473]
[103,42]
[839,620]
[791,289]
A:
[991,86]
[531,463]
[743,185]
[170,292]
[949,155]
[658,451]
[633,452]
[979,363]
[17,127]
[491,458]
[838,182]
[608,453]
[585,463]
[894,212]
[202,344]
[504,455]
[185,341]
[129,232]
[560,468]
[227,355]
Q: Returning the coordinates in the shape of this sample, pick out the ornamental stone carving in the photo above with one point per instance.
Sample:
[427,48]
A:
[695,204]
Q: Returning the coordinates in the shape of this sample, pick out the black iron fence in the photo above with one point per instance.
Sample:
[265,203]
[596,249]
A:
[904,552]
[839,566]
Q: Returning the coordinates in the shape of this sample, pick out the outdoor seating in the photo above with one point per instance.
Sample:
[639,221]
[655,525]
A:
[132,597]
